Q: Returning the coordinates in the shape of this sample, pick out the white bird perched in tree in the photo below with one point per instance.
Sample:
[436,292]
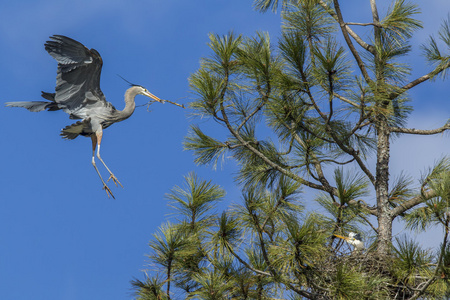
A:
[353,239]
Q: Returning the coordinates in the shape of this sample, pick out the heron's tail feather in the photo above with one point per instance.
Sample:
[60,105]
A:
[34,106]
[72,131]
[48,96]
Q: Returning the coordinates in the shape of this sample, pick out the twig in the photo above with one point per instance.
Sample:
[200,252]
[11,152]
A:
[174,103]
[171,102]
[168,101]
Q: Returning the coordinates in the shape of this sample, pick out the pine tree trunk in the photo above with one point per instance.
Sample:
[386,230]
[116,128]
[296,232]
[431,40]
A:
[382,189]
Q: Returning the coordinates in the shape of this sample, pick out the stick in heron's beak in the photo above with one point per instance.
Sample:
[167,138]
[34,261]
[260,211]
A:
[150,95]
[174,103]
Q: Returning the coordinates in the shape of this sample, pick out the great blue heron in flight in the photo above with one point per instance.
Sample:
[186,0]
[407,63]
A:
[353,239]
[78,93]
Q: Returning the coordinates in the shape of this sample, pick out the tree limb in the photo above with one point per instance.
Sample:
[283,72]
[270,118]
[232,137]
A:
[356,37]
[421,132]
[419,80]
[404,206]
[246,264]
[347,149]
[362,24]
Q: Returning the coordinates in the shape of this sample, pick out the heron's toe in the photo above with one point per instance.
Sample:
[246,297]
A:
[108,191]
[115,180]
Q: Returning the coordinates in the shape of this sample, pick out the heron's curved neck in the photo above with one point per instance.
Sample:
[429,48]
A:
[130,105]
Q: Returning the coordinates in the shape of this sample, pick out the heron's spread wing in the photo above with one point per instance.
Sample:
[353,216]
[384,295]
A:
[78,74]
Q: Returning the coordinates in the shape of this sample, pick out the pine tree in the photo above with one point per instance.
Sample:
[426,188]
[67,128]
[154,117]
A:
[307,113]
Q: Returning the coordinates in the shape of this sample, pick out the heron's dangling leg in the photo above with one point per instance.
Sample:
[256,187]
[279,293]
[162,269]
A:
[111,175]
[105,187]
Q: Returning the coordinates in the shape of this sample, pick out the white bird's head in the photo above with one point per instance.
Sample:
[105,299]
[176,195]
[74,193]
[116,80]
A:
[353,239]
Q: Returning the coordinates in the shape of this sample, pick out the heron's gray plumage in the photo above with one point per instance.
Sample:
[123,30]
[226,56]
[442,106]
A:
[77,76]
[72,131]
[34,106]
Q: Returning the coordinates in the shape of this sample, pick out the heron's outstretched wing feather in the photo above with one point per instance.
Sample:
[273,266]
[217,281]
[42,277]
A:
[34,106]
[78,74]
[72,131]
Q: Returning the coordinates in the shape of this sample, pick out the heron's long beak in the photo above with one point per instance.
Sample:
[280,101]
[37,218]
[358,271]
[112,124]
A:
[341,237]
[150,95]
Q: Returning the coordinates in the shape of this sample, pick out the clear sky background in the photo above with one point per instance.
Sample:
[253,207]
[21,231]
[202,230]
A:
[60,235]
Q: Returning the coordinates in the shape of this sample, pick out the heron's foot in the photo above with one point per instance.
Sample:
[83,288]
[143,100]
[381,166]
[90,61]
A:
[108,191]
[115,180]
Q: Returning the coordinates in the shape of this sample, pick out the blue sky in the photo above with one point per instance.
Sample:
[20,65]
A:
[60,236]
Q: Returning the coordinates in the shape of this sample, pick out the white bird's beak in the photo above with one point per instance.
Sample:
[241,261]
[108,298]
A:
[342,237]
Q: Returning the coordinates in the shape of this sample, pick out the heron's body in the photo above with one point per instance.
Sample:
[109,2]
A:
[78,94]
[99,117]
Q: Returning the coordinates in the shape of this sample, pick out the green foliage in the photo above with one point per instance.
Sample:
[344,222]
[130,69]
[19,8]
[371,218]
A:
[332,68]
[150,289]
[345,212]
[308,19]
[213,286]
[264,5]
[411,261]
[348,283]
[268,247]
[208,88]
[194,202]
[299,247]
[399,23]
[226,235]
[434,55]
[168,244]
[401,188]
[315,111]
[435,210]
[207,149]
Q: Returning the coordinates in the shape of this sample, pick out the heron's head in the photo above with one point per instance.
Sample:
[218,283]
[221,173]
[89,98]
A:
[143,91]
[137,89]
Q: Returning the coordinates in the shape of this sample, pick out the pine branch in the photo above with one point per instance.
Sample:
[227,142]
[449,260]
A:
[255,111]
[262,245]
[347,149]
[347,32]
[344,26]
[340,97]
[435,275]
[338,162]
[373,6]
[243,262]
[371,210]
[362,24]
[254,150]
[321,177]
[404,206]
[421,132]
[420,80]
